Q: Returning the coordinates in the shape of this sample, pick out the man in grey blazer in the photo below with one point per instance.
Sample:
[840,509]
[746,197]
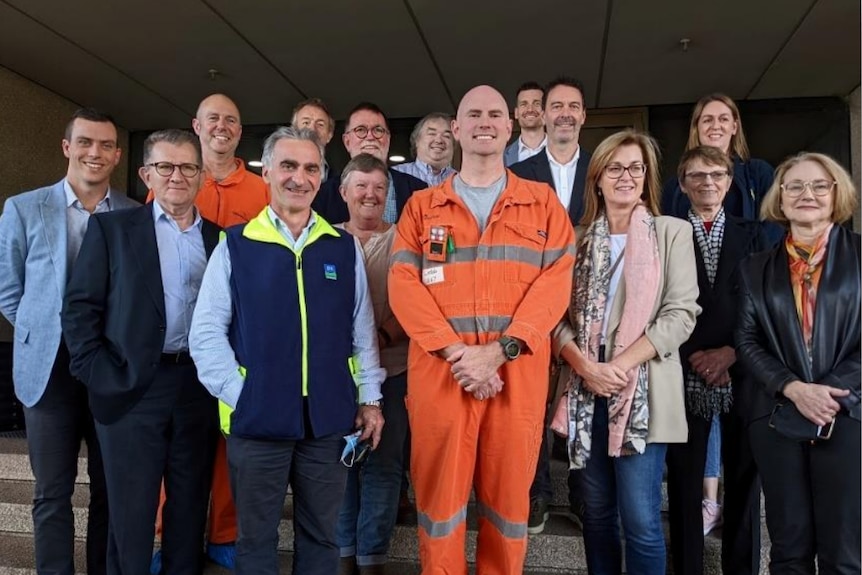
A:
[40,235]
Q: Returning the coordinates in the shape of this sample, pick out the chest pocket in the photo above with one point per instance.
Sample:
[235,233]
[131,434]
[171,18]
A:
[438,263]
[523,251]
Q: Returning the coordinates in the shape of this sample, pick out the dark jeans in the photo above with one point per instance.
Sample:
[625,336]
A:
[813,499]
[740,544]
[171,432]
[55,427]
[370,505]
[542,486]
[626,489]
[260,472]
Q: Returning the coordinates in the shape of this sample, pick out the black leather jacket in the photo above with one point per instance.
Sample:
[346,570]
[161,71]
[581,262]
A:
[769,339]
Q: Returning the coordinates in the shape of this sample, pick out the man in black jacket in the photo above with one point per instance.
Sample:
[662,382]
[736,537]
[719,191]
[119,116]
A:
[126,319]
[366,131]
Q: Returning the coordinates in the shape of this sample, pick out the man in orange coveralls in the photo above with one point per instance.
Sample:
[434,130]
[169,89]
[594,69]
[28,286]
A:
[230,195]
[481,272]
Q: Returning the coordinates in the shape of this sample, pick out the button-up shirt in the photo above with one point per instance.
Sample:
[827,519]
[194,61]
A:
[182,260]
[525,151]
[425,172]
[77,219]
[564,176]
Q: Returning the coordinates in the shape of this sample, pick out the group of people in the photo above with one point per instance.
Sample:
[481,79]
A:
[238,334]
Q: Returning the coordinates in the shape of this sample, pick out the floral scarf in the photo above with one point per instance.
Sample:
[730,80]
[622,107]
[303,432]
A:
[628,411]
[806,265]
[705,400]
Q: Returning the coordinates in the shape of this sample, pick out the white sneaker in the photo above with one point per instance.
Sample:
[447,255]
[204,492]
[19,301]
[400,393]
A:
[711,515]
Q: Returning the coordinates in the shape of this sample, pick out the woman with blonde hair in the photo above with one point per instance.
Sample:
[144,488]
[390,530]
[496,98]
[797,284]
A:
[715,122]
[633,304]
[798,337]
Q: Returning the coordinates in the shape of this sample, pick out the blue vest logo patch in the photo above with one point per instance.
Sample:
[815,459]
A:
[329,272]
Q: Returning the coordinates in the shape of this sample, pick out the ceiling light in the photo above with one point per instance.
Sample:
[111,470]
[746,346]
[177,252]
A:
[397,158]
[256,164]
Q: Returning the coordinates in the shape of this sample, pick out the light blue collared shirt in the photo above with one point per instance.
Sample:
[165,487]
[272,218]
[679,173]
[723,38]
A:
[425,172]
[77,219]
[182,259]
[218,368]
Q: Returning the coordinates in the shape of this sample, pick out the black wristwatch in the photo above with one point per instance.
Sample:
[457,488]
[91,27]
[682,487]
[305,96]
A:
[511,347]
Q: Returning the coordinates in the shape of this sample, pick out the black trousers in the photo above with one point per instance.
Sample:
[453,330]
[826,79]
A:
[740,542]
[56,425]
[812,499]
[171,432]
[542,485]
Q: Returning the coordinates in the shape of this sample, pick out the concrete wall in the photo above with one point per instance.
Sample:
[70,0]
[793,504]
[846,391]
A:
[33,120]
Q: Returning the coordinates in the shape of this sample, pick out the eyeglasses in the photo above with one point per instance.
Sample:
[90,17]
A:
[818,187]
[166,169]
[362,131]
[615,171]
[354,450]
[700,177]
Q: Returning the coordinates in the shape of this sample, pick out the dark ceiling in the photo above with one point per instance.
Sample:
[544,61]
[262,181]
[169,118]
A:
[149,61]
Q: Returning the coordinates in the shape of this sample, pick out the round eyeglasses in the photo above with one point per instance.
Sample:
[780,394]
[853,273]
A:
[166,169]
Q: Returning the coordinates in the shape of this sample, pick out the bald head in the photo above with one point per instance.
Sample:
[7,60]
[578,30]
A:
[482,126]
[217,124]
[481,94]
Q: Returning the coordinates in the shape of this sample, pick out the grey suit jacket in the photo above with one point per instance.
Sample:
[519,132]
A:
[510,156]
[33,281]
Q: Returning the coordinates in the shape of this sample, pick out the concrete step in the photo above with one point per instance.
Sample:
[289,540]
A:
[559,549]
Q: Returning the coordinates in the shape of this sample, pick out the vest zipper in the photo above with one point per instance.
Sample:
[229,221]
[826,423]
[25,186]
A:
[303,321]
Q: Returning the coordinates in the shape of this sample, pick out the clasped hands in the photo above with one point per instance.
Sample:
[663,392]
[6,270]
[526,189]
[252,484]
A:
[475,367]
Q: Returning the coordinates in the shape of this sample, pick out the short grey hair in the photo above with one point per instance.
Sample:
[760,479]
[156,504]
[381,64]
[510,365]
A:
[365,163]
[173,136]
[417,129]
[289,133]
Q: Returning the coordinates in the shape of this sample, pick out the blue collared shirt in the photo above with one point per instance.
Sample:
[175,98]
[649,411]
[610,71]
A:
[425,172]
[218,369]
[77,219]
[183,260]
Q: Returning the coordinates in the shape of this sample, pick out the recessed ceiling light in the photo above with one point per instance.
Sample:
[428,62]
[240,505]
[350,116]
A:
[397,158]
[255,164]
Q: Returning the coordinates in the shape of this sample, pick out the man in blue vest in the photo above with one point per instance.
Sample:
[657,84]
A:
[283,334]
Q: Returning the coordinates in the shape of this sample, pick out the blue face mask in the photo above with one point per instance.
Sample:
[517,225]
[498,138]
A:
[354,450]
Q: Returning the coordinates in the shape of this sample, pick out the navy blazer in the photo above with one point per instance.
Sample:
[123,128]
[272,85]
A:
[114,310]
[538,169]
[332,207]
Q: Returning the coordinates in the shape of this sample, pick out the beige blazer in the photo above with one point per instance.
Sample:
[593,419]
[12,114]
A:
[671,322]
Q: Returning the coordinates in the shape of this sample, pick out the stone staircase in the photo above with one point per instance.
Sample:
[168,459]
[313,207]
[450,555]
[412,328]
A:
[558,550]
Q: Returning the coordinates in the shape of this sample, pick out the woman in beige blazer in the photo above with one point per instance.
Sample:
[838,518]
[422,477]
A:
[633,304]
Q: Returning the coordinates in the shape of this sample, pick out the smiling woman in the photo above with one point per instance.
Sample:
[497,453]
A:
[715,122]
[798,337]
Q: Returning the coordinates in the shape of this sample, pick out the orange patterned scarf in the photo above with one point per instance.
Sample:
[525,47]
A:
[806,265]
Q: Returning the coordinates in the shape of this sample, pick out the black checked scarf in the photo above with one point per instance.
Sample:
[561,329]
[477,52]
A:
[705,400]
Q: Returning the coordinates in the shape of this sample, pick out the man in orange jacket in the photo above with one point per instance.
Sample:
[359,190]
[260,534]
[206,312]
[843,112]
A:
[481,272]
[230,195]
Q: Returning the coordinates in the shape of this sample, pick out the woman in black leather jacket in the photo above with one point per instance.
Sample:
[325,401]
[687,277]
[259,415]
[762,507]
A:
[798,336]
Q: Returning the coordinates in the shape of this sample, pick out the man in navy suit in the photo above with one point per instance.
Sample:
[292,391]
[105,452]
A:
[563,163]
[563,166]
[126,319]
[528,114]
[367,130]
[40,235]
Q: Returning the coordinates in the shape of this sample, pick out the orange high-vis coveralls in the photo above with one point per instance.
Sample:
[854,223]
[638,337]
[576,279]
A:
[234,200]
[514,279]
